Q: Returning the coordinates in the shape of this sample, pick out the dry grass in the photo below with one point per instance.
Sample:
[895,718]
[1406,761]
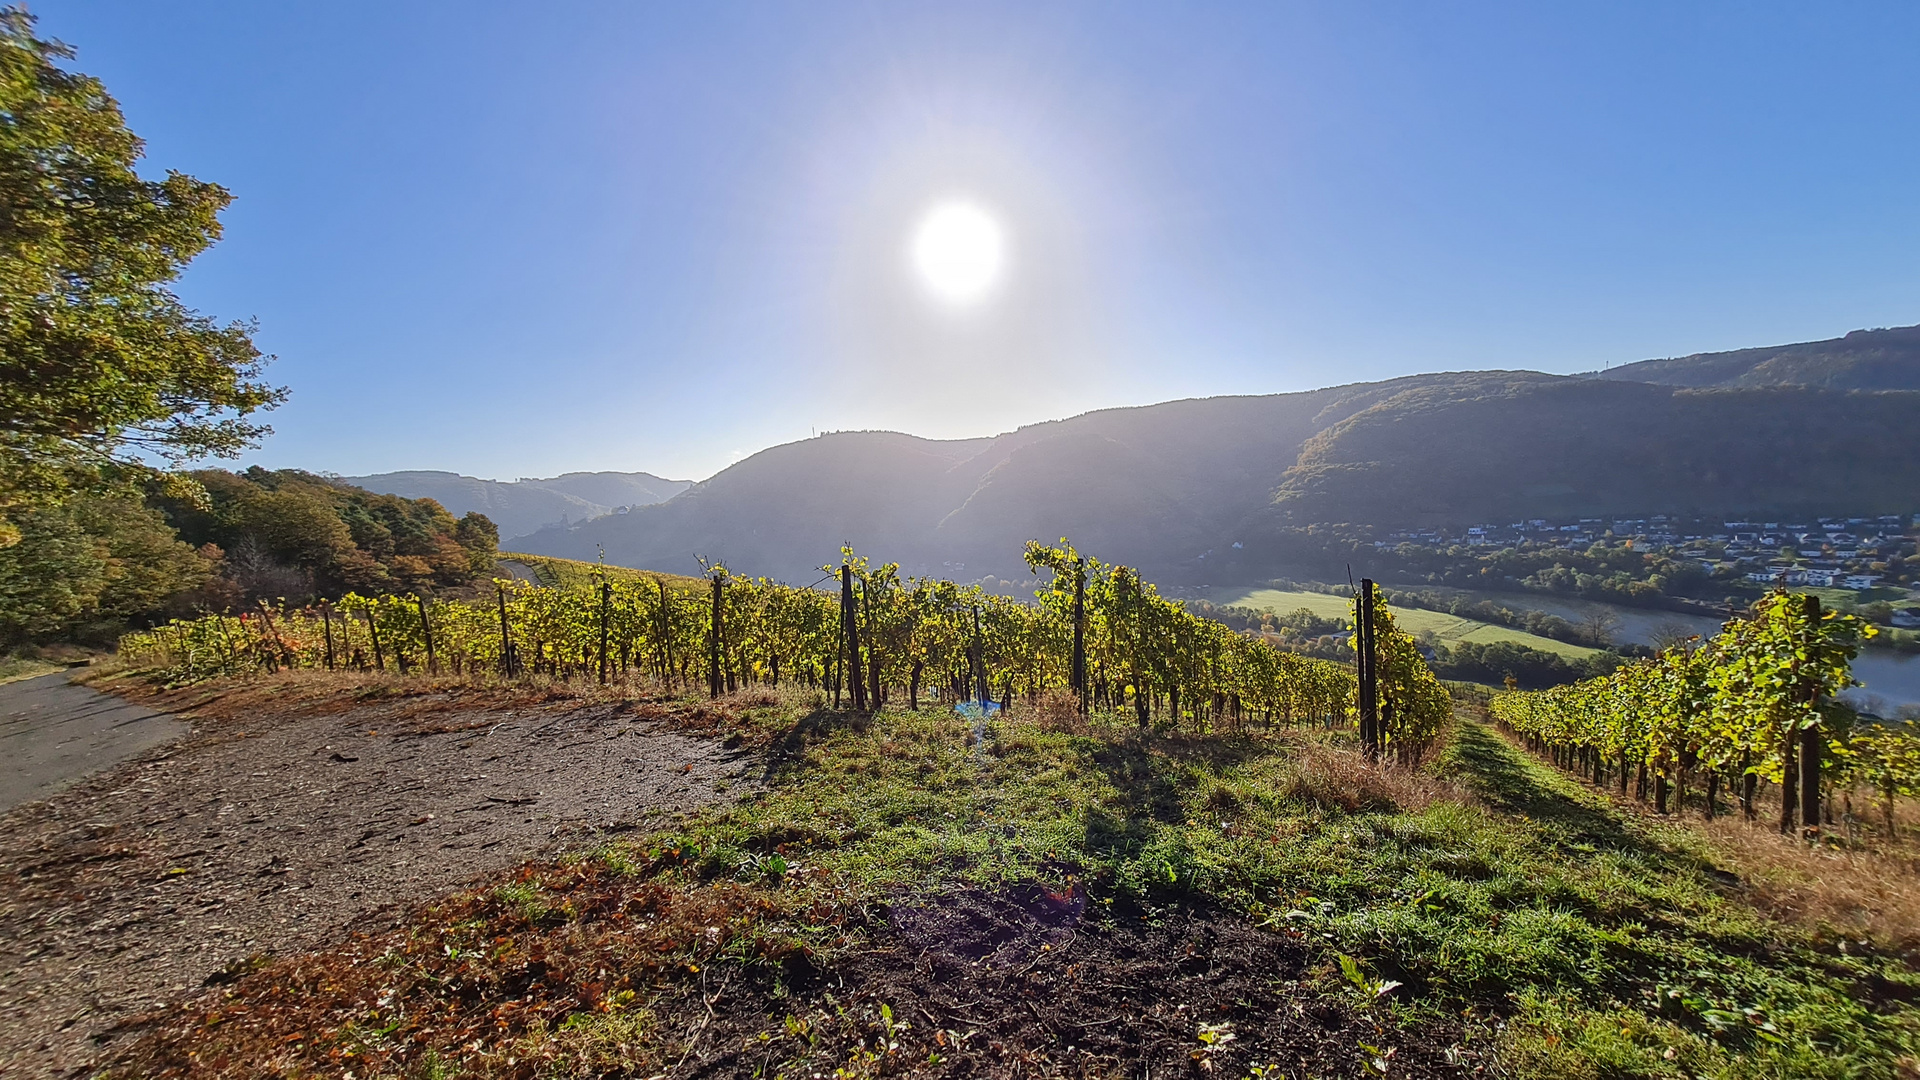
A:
[1341,778]
[1856,893]
[1056,710]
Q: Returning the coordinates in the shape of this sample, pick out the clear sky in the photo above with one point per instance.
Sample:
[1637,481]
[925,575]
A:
[517,239]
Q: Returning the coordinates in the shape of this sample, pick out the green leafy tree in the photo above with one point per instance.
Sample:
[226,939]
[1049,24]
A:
[91,559]
[103,370]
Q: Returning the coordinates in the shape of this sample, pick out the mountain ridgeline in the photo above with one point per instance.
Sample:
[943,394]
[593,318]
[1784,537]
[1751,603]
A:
[1887,359]
[522,506]
[1205,489]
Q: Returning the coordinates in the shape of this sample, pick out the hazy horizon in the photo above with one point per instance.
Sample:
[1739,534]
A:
[506,244]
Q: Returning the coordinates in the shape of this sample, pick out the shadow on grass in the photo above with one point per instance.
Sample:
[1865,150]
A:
[1506,778]
[1147,770]
[785,752]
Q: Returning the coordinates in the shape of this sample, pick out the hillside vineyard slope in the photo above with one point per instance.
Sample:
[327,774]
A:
[1863,360]
[522,506]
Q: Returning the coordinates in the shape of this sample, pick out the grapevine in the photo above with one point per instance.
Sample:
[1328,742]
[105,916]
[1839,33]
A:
[1755,702]
[915,639]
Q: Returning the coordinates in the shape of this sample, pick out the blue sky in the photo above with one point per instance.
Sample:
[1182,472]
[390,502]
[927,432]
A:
[513,240]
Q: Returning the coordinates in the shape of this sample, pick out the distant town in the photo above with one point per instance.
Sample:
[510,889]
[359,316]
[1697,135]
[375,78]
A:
[1856,553]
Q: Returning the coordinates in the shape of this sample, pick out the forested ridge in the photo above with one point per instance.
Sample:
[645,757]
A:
[1880,359]
[1221,489]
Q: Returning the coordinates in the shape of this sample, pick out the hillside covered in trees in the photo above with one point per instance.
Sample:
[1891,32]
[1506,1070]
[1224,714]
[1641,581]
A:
[1217,488]
[525,505]
[291,533]
[222,542]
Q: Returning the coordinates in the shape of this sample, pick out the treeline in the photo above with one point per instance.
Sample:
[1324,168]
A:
[1495,662]
[85,567]
[1613,573]
[1299,631]
[293,534]
[1593,633]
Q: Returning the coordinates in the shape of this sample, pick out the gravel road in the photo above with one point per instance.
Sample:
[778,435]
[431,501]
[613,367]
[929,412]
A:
[265,830]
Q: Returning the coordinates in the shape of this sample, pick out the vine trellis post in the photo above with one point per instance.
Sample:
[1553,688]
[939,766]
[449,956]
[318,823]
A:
[426,631]
[606,602]
[1080,632]
[507,665]
[1367,662]
[373,631]
[713,642]
[1812,740]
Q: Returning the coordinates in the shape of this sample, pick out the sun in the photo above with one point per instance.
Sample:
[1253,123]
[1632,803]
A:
[958,250]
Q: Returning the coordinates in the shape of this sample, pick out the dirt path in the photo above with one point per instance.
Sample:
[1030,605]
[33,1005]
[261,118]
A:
[263,833]
[519,570]
[53,732]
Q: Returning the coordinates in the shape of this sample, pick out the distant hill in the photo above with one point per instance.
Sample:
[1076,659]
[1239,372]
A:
[1510,445]
[1173,487]
[1863,360]
[523,506]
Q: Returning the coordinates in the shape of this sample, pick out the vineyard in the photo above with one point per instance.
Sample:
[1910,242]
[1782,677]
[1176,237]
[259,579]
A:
[1096,631]
[1755,703]
[1047,874]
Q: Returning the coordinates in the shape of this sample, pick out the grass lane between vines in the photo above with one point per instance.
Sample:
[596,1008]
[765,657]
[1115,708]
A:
[1521,916]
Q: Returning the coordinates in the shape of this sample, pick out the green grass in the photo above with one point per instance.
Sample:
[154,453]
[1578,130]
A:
[1574,939]
[1846,599]
[1607,945]
[1450,629]
[14,668]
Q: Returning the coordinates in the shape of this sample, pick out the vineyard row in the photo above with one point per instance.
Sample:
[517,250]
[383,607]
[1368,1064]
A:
[1756,702]
[1094,630]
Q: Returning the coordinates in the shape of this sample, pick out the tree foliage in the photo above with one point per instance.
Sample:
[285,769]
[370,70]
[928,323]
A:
[316,536]
[91,559]
[102,368]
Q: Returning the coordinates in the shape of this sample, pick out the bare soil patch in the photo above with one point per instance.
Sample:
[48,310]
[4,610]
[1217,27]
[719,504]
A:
[299,809]
[675,982]
[1021,983]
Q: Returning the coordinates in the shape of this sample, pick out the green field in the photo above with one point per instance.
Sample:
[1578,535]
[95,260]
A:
[574,574]
[1448,628]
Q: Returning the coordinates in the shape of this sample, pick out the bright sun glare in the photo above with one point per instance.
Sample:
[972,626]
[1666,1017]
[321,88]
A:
[958,250]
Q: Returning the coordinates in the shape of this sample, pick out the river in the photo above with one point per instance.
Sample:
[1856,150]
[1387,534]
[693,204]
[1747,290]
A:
[1892,677]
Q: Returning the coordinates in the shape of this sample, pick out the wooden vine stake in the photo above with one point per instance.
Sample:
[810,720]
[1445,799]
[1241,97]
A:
[507,665]
[1369,690]
[426,630]
[373,632]
[1812,741]
[1080,632]
[713,643]
[606,600]
[976,653]
[666,631]
[851,635]
[874,694]
[326,620]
